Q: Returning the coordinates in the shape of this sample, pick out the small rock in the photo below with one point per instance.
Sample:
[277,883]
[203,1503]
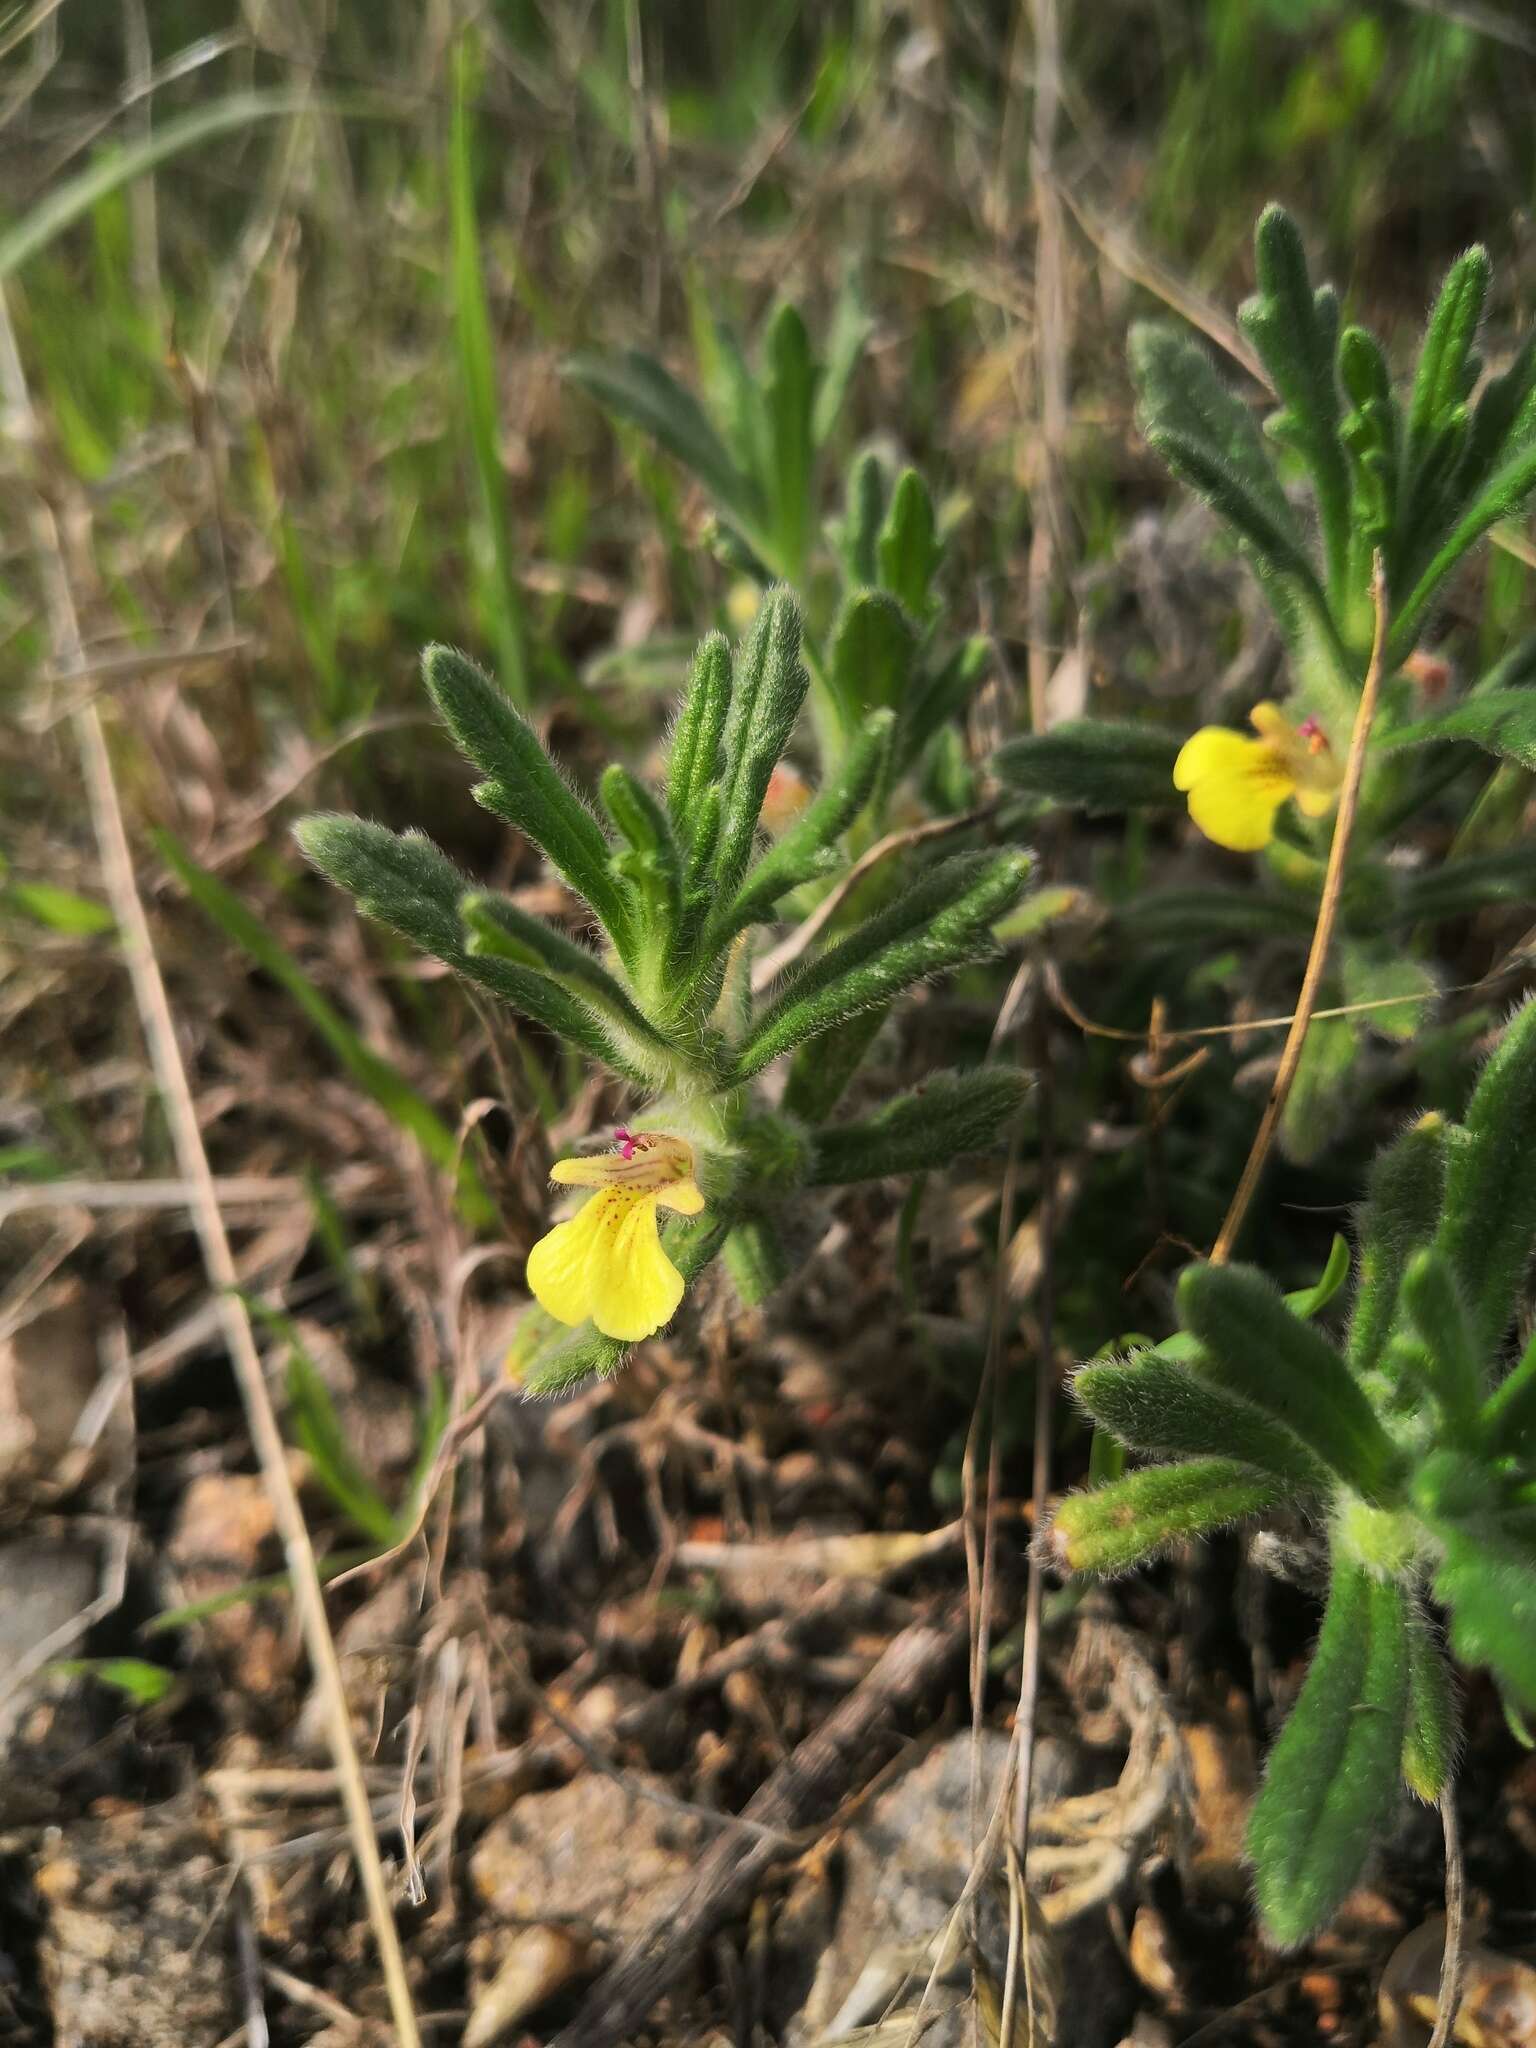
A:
[221,1542]
[50,1374]
[1498,1994]
[45,1582]
[592,1853]
[905,1863]
[128,1957]
[536,1962]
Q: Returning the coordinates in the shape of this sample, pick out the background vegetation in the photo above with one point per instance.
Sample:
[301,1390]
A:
[306,314]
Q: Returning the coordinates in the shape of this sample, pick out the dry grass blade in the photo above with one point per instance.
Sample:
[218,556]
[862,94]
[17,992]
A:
[1453,1963]
[1322,935]
[160,1032]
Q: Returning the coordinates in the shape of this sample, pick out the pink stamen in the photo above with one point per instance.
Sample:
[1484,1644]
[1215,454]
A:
[628,1142]
[1313,734]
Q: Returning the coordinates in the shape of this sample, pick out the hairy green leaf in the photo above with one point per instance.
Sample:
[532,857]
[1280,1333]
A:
[1100,764]
[1489,1221]
[908,550]
[1402,1207]
[944,920]
[694,764]
[636,389]
[1263,1353]
[1113,1527]
[950,1116]
[523,785]
[767,692]
[1154,1404]
[1332,1776]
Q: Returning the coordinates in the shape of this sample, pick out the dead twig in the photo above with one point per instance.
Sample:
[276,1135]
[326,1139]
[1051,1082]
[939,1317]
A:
[773,964]
[804,1789]
[1453,1961]
[1322,935]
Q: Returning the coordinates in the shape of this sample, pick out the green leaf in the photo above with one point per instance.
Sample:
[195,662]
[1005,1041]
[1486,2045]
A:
[790,378]
[145,1685]
[1503,723]
[653,864]
[1099,764]
[1489,1221]
[1261,1352]
[1508,1419]
[1375,975]
[1122,1524]
[852,325]
[1193,916]
[1154,1404]
[523,785]
[634,388]
[317,1430]
[501,942]
[405,882]
[1331,1780]
[1406,1187]
[1447,369]
[908,550]
[767,692]
[478,381]
[756,1260]
[1431,1733]
[1438,1313]
[1502,496]
[75,917]
[694,764]
[1323,1094]
[1209,439]
[73,198]
[858,532]
[1308,1302]
[821,1070]
[1295,331]
[937,699]
[873,646]
[944,920]
[1452,888]
[374,1074]
[1492,1603]
[804,851]
[950,1116]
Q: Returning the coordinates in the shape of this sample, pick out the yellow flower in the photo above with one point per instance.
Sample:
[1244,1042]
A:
[1235,785]
[607,1261]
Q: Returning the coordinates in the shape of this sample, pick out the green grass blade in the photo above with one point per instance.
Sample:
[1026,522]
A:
[375,1075]
[477,372]
[75,198]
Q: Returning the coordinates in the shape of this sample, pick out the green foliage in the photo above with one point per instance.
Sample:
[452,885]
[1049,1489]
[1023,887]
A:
[756,449]
[664,999]
[370,1070]
[1413,1443]
[477,374]
[1331,1780]
[1418,481]
[1095,764]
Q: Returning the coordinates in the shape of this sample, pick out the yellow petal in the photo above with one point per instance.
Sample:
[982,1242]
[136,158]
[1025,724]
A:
[607,1263]
[1235,784]
[1238,811]
[648,1160]
[636,1288]
[683,1196]
[1316,802]
[1213,750]
[1271,723]
[561,1265]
